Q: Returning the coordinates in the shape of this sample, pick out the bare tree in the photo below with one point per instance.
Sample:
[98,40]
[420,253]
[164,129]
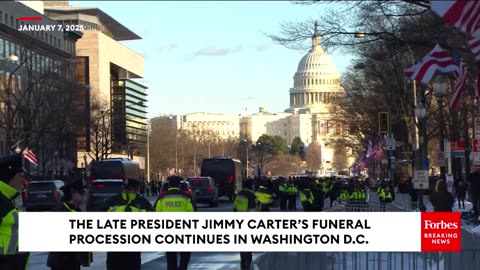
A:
[375,20]
[313,156]
[284,164]
[37,105]
[100,131]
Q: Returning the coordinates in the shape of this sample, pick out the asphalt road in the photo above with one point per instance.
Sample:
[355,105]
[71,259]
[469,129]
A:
[156,260]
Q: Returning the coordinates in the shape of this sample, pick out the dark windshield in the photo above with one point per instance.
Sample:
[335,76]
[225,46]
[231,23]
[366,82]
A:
[199,182]
[106,188]
[218,168]
[107,170]
[41,186]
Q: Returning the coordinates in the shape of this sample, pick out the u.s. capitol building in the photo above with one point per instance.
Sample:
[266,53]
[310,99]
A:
[315,85]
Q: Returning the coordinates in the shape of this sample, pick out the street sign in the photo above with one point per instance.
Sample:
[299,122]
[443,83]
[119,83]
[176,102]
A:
[441,159]
[457,154]
[391,144]
[449,182]
[476,122]
[420,179]
[457,146]
[426,164]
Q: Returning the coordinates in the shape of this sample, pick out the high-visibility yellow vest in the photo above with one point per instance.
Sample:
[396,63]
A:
[306,195]
[8,220]
[174,200]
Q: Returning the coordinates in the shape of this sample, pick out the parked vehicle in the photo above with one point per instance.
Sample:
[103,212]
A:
[204,189]
[100,191]
[43,195]
[226,173]
[114,168]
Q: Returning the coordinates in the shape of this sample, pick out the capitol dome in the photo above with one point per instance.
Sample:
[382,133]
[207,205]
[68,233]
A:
[316,82]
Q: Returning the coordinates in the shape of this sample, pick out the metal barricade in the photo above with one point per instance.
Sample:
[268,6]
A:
[357,206]
[467,259]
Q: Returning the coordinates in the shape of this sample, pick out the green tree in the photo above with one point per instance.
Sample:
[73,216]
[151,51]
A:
[279,145]
[267,147]
[298,147]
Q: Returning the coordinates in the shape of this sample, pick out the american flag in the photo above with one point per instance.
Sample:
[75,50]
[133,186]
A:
[369,149]
[377,152]
[474,43]
[437,59]
[460,78]
[464,15]
[30,156]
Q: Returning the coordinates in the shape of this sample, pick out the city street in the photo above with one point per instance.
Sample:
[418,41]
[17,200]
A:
[156,260]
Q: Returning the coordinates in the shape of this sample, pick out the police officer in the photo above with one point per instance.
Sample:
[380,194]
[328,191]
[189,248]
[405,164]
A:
[11,182]
[174,200]
[306,197]
[292,195]
[73,196]
[283,194]
[128,201]
[264,198]
[245,201]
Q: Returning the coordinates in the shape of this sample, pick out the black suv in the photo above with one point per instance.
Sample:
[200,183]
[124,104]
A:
[43,195]
[184,186]
[100,191]
[204,189]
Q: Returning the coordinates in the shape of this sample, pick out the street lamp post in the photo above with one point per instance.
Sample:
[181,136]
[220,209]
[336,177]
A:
[420,113]
[149,130]
[247,158]
[440,87]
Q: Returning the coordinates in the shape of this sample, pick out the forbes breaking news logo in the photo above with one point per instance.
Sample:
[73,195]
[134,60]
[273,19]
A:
[441,231]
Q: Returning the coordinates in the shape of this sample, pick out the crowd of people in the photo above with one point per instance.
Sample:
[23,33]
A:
[258,194]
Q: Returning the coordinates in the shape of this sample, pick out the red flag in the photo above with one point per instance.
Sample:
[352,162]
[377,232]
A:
[30,156]
[437,59]
[464,15]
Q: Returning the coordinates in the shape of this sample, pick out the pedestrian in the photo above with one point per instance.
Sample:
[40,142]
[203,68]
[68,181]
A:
[245,201]
[128,201]
[461,192]
[11,182]
[174,200]
[441,199]
[73,197]
[413,194]
[474,182]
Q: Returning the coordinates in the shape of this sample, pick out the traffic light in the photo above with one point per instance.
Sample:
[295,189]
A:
[383,122]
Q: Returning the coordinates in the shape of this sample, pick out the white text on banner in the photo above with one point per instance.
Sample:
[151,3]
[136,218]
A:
[220,231]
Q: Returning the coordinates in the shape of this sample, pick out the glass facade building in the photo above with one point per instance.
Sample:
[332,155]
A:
[129,116]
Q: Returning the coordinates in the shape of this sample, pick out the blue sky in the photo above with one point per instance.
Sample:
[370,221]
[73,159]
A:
[213,56]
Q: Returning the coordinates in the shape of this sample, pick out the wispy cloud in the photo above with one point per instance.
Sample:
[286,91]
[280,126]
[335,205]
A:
[168,47]
[247,98]
[212,51]
[261,47]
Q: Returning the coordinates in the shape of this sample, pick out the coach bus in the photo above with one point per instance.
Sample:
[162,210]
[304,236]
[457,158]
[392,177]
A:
[114,168]
[226,173]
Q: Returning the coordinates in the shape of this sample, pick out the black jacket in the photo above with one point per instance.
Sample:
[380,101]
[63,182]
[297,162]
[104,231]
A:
[64,260]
